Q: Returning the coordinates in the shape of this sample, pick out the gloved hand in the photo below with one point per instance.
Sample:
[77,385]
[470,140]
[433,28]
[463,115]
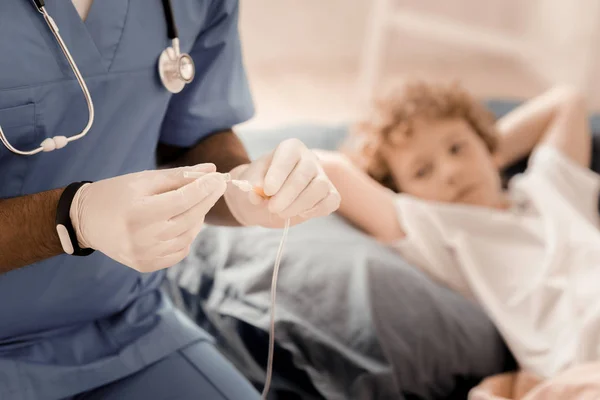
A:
[146,220]
[297,187]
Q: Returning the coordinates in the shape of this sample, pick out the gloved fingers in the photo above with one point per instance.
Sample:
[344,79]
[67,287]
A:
[187,220]
[207,191]
[255,172]
[151,261]
[169,259]
[317,190]
[171,179]
[284,160]
[177,243]
[168,205]
[256,199]
[298,180]
[326,206]
[174,244]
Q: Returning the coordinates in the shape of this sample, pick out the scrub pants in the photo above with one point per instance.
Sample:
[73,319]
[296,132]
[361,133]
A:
[195,372]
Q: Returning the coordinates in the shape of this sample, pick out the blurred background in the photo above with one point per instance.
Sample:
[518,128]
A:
[321,60]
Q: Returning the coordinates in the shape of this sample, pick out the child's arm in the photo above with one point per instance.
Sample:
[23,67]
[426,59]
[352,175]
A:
[558,117]
[365,203]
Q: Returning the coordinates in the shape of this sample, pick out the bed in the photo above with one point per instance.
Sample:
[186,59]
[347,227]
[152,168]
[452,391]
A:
[354,320]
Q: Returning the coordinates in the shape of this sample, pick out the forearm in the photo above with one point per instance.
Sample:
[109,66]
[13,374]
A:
[225,150]
[28,230]
[341,175]
[521,130]
[365,203]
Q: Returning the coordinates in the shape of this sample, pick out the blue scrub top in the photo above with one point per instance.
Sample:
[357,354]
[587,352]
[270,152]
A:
[69,324]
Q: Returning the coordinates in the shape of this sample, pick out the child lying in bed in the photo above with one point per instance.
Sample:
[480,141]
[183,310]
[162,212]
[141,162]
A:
[422,174]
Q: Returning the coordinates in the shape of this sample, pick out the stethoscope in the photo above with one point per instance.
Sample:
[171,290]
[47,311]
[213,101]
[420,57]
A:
[175,69]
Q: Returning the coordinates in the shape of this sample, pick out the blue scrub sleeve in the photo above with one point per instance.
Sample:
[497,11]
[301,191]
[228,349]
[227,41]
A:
[219,96]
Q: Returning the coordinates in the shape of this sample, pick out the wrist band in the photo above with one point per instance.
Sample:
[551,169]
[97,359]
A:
[64,226]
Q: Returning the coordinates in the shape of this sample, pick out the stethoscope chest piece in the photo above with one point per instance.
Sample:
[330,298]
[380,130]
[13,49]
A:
[175,69]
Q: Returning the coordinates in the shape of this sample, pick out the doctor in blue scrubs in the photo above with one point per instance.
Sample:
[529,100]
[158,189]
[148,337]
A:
[94,205]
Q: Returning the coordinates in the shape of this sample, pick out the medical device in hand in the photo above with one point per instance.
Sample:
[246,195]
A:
[244,186]
[247,187]
[175,69]
[269,375]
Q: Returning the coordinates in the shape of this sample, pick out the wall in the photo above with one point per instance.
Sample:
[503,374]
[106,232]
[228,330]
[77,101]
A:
[303,56]
[302,31]
[565,38]
[313,32]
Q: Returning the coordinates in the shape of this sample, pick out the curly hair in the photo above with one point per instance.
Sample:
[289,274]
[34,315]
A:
[393,115]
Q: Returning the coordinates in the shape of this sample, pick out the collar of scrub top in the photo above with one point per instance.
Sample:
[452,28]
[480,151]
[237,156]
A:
[176,69]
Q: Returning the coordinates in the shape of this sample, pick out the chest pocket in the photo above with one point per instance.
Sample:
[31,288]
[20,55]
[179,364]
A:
[32,57]
[19,127]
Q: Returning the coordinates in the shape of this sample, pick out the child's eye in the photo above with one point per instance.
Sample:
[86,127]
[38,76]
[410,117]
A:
[456,148]
[423,171]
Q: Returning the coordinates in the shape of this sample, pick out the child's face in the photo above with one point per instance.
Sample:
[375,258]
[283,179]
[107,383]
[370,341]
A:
[445,160]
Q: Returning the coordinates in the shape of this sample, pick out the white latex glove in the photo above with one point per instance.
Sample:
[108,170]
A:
[146,220]
[297,187]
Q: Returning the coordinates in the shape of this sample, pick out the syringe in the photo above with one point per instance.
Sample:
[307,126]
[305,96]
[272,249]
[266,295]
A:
[240,184]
